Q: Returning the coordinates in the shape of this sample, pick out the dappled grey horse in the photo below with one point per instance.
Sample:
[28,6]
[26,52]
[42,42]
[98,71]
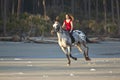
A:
[65,42]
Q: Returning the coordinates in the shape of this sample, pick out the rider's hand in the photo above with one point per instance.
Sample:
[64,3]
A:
[70,31]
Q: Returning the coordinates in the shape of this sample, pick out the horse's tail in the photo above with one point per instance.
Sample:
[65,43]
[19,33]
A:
[90,41]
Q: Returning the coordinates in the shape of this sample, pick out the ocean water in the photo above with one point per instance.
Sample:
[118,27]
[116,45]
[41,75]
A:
[106,49]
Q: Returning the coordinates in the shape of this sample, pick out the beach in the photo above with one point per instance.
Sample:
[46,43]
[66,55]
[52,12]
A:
[57,69]
[31,61]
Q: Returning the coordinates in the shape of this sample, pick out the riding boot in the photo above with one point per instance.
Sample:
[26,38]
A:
[72,38]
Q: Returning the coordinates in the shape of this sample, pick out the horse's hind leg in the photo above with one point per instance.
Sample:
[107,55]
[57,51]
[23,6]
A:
[86,52]
[79,47]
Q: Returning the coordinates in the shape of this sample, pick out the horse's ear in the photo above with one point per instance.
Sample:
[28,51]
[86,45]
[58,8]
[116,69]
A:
[52,32]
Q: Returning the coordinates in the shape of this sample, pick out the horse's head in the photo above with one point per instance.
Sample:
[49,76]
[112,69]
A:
[56,26]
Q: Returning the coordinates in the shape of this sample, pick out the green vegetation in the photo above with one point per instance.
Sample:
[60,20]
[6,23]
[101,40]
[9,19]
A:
[35,17]
[31,25]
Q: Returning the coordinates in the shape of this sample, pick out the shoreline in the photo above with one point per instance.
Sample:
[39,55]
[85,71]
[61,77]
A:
[47,40]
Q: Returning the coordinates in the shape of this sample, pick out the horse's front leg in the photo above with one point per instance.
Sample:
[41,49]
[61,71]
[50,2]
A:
[69,52]
[67,55]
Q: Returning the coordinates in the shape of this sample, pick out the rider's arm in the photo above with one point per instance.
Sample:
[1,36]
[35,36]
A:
[71,26]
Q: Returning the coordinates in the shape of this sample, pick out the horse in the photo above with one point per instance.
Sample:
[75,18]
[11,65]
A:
[65,42]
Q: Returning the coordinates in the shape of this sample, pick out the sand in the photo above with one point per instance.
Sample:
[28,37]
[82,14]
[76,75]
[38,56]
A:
[57,69]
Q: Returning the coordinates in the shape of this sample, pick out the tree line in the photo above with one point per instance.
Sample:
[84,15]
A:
[100,17]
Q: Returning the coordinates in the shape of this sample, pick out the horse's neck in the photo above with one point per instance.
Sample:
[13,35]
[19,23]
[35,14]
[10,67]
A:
[59,35]
[62,34]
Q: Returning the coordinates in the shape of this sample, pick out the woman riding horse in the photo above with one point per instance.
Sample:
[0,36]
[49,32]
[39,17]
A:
[68,25]
[65,42]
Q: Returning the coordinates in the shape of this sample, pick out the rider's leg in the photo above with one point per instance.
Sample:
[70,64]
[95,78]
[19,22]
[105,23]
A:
[72,38]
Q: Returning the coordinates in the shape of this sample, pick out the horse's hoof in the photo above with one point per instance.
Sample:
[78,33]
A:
[75,59]
[68,64]
[88,59]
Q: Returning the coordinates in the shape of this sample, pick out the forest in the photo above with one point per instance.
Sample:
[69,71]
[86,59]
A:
[35,17]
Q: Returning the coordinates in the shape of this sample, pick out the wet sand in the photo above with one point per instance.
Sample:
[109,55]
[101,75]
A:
[57,69]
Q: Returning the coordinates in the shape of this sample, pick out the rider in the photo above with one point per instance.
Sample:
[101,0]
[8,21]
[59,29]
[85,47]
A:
[68,25]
